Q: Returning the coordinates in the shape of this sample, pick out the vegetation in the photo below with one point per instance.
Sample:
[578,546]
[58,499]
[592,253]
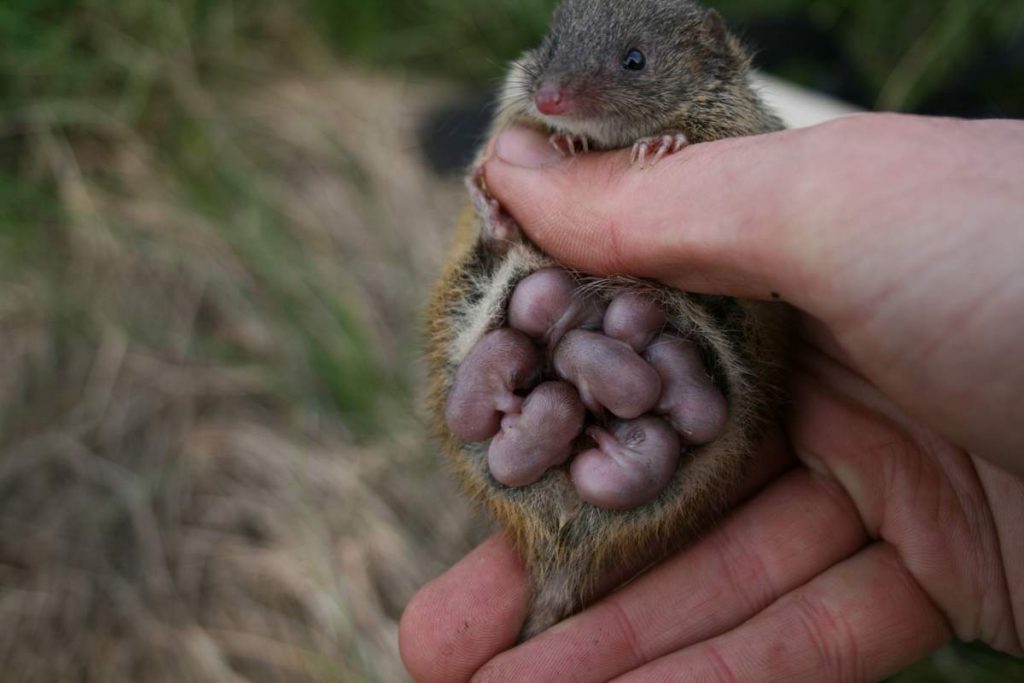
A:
[885,55]
[208,467]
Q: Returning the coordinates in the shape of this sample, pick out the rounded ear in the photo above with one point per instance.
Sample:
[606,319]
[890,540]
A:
[713,32]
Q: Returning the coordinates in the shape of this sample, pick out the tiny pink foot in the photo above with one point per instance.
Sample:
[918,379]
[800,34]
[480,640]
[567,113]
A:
[569,145]
[657,147]
[499,229]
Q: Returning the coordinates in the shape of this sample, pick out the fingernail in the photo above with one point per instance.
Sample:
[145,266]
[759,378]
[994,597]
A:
[525,148]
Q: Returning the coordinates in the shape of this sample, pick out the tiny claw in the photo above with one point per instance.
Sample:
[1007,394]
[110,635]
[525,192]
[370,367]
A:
[568,144]
[664,148]
[660,146]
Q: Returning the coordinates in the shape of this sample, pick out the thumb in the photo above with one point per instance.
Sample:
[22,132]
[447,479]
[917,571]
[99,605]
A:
[710,219]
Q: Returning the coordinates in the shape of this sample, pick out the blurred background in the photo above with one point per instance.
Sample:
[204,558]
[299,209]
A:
[218,221]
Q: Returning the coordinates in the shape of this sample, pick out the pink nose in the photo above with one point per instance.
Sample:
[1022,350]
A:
[551,101]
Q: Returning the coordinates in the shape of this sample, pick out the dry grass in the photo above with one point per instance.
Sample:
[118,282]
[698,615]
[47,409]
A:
[173,504]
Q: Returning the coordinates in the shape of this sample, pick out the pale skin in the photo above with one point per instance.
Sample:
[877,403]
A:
[888,510]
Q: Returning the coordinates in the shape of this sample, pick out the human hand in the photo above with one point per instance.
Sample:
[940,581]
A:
[899,239]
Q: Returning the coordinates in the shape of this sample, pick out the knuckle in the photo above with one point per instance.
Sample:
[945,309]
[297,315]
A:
[721,670]
[616,256]
[627,633]
[744,572]
[829,639]
[613,224]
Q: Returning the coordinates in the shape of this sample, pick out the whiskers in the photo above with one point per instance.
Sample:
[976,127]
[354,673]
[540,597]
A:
[516,96]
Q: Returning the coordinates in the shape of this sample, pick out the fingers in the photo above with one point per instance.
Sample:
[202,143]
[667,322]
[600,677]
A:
[918,492]
[709,219]
[1006,492]
[789,533]
[862,620]
[465,617]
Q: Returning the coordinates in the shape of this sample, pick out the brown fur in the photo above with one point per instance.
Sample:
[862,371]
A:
[569,545]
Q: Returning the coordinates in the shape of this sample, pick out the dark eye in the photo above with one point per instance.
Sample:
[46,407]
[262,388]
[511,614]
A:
[634,61]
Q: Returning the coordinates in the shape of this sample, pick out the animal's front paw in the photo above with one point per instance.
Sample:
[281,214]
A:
[657,147]
[569,145]
[499,229]
[603,388]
